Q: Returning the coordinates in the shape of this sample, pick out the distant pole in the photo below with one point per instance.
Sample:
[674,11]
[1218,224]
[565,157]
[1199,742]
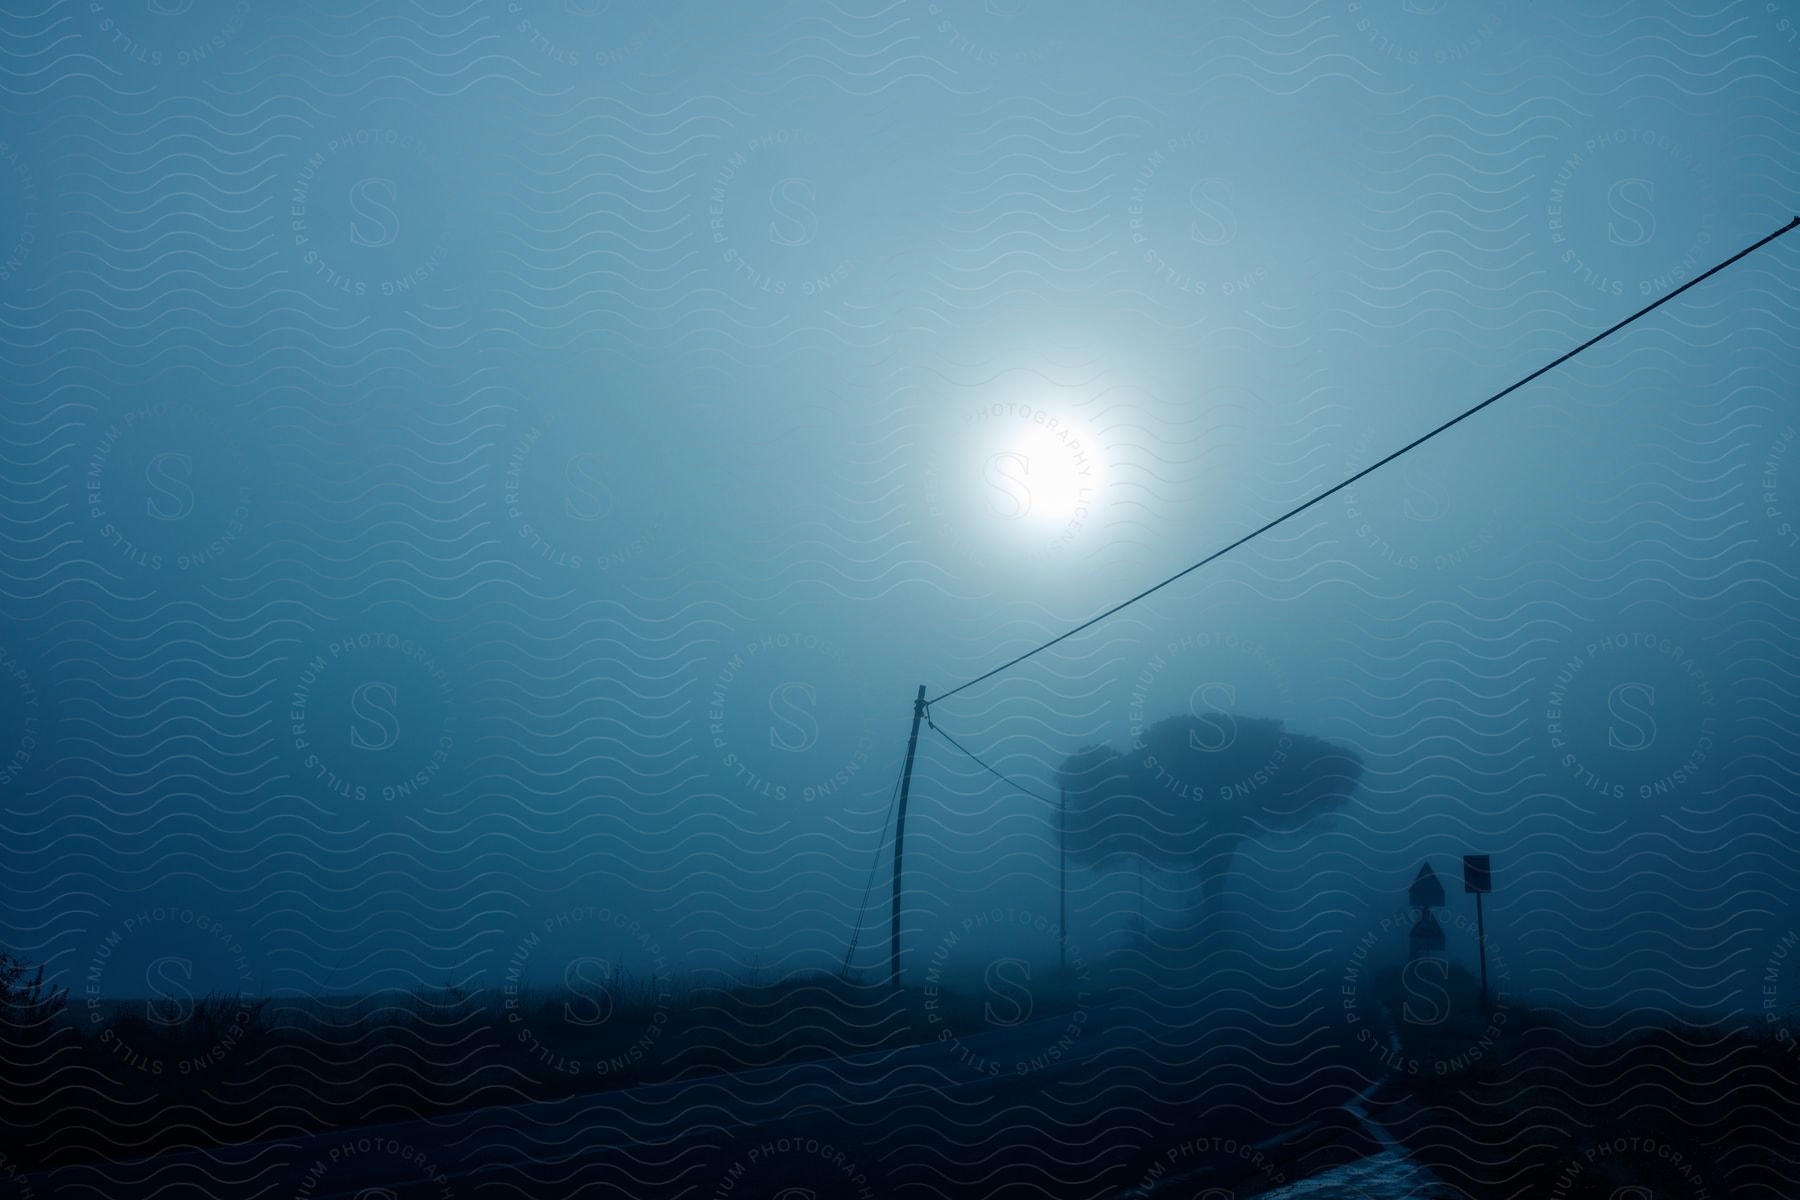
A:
[1062,880]
[1481,937]
[1478,877]
[912,745]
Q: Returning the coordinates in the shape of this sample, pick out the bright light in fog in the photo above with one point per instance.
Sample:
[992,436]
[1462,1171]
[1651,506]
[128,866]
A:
[1012,483]
[1043,478]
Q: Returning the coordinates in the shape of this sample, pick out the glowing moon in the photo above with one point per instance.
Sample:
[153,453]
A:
[1041,479]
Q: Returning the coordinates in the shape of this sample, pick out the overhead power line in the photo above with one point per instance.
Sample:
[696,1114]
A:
[997,775]
[1791,225]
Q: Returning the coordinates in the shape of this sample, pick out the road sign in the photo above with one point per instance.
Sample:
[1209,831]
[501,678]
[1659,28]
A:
[1426,891]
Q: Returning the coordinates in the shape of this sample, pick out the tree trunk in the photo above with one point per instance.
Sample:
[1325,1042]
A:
[1215,873]
[1134,921]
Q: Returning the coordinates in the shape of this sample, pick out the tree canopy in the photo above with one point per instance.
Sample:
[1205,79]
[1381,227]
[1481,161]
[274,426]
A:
[1195,786]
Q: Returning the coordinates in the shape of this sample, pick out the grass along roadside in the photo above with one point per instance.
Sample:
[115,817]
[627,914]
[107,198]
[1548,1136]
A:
[87,1081]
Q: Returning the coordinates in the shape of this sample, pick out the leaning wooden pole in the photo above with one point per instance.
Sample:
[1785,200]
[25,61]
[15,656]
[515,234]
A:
[912,744]
[1062,878]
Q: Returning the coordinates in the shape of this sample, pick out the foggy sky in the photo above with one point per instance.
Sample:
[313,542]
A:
[743,371]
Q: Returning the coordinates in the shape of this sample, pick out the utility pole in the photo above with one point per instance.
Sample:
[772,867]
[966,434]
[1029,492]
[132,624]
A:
[912,745]
[1481,939]
[1478,877]
[1062,877]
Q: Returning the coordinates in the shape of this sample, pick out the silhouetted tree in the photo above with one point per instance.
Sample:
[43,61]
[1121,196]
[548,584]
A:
[25,1003]
[1195,787]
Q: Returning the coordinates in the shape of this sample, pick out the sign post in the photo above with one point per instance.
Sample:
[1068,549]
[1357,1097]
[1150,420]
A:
[1478,877]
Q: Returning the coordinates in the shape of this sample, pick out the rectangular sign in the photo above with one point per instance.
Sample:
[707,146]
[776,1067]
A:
[1478,876]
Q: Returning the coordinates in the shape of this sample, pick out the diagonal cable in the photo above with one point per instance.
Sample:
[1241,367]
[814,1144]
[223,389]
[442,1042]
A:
[997,775]
[863,911]
[1374,466]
